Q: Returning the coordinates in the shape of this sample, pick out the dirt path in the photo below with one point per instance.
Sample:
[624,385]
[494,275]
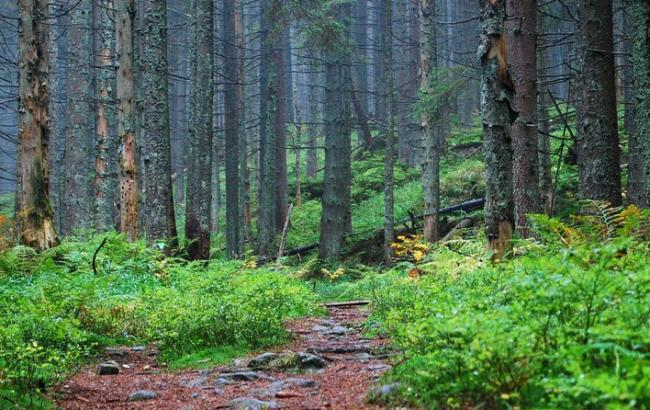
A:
[329,365]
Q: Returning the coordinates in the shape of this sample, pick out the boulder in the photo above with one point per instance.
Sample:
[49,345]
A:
[142,395]
[109,368]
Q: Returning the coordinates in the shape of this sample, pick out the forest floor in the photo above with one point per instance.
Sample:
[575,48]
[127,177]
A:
[329,364]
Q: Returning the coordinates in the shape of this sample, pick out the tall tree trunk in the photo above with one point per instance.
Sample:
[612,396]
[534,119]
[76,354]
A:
[382,41]
[159,201]
[199,162]
[386,13]
[640,16]
[337,178]
[599,152]
[298,143]
[34,215]
[282,113]
[78,183]
[543,135]
[314,118]
[497,118]
[520,32]
[268,97]
[429,120]
[129,202]
[104,32]
[360,83]
[232,103]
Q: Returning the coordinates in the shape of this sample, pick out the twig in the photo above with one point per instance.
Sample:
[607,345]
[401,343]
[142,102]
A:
[96,253]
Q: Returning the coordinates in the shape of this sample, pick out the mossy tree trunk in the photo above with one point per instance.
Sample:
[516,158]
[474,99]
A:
[640,20]
[128,182]
[160,220]
[337,176]
[429,120]
[521,33]
[232,106]
[34,216]
[78,196]
[497,118]
[199,160]
[386,13]
[598,148]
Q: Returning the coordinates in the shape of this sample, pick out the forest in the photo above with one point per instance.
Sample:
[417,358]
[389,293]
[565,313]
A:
[324,204]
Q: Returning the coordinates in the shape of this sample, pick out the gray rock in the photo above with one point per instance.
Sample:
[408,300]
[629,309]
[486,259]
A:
[194,383]
[338,331]
[319,328]
[245,376]
[138,349]
[195,395]
[382,394]
[263,360]
[378,367]
[291,361]
[117,354]
[109,368]
[142,395]
[250,403]
[277,386]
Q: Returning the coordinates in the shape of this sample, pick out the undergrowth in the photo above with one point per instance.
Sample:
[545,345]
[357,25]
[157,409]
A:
[55,313]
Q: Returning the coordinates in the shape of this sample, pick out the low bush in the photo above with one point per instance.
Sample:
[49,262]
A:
[55,313]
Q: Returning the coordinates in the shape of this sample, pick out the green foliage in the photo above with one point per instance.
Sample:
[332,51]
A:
[55,313]
[564,325]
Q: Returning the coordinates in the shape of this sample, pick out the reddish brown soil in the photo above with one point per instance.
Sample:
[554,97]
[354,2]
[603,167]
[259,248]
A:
[343,384]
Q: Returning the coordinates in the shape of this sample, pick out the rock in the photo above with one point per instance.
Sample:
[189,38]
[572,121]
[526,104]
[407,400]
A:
[378,367]
[262,361]
[276,387]
[363,357]
[195,395]
[338,331]
[109,368]
[244,376]
[319,328]
[142,395]
[198,382]
[383,393]
[250,403]
[137,349]
[117,354]
[239,363]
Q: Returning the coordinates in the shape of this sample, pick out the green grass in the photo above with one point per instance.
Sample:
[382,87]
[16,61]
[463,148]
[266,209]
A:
[205,358]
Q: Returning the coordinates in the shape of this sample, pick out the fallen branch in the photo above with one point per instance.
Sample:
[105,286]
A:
[352,303]
[97,253]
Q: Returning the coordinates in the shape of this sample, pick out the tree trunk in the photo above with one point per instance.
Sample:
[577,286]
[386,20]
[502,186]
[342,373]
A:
[640,16]
[159,201]
[129,215]
[360,88]
[34,217]
[281,112]
[104,32]
[199,162]
[268,95]
[599,152]
[314,118]
[337,177]
[543,135]
[429,120]
[232,105]
[79,195]
[386,14]
[520,35]
[497,118]
[382,41]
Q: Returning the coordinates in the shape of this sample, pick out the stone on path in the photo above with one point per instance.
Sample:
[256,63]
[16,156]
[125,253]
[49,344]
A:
[290,361]
[142,395]
[109,368]
[250,403]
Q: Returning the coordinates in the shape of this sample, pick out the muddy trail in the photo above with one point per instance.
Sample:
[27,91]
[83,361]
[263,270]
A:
[329,365]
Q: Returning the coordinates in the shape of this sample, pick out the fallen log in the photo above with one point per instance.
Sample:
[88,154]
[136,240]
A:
[467,206]
[352,303]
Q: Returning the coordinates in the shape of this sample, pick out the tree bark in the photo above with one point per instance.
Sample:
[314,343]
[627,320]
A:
[391,104]
[520,37]
[599,153]
[34,217]
[78,200]
[159,201]
[640,16]
[497,118]
[337,176]
[232,102]
[429,120]
[360,89]
[129,201]
[105,182]
[543,125]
